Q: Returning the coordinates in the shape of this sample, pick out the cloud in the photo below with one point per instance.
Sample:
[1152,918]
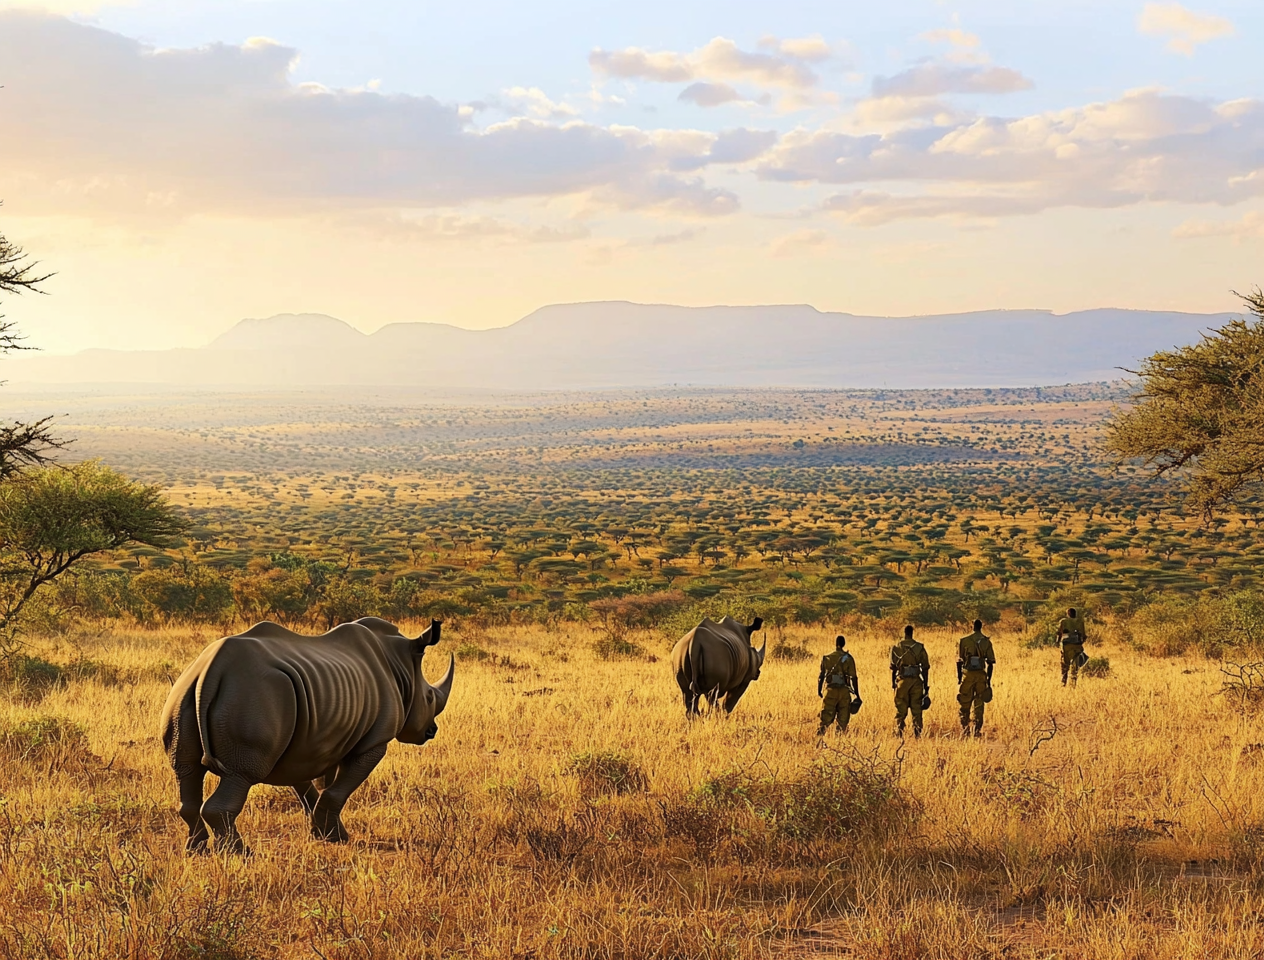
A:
[101,124]
[935,79]
[1185,28]
[712,65]
[798,243]
[812,49]
[730,146]
[1145,146]
[710,94]
[1249,227]
[537,104]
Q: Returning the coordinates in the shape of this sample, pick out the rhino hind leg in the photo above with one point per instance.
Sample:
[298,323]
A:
[222,809]
[191,782]
[352,771]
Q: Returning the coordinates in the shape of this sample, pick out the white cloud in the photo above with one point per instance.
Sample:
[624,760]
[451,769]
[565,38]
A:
[1249,227]
[1184,28]
[537,103]
[933,79]
[99,123]
[705,94]
[813,49]
[719,61]
[1145,146]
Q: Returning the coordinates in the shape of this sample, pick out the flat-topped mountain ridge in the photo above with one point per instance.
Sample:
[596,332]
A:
[621,344]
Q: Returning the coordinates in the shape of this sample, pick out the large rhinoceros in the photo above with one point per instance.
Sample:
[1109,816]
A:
[271,706]
[716,660]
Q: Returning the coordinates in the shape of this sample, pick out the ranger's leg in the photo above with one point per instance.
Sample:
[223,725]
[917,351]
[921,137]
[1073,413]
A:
[221,810]
[978,712]
[829,707]
[191,780]
[844,712]
[352,771]
[915,704]
[1066,662]
[964,699]
[901,707]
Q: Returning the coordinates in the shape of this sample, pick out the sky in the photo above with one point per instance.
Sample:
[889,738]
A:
[182,164]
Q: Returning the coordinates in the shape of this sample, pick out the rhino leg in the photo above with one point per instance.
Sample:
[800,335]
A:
[308,793]
[307,796]
[221,810]
[191,781]
[352,771]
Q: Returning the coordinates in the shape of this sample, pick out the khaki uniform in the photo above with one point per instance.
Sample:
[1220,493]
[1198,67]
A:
[838,673]
[1073,635]
[911,665]
[974,654]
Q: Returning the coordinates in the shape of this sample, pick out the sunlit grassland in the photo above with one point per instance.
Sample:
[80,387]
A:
[1121,818]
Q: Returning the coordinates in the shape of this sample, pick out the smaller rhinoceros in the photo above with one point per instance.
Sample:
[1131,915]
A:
[271,706]
[715,660]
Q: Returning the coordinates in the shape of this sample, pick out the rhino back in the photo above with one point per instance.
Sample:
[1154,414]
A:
[284,710]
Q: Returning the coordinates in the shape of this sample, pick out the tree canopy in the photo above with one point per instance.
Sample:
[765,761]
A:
[1200,411]
[52,517]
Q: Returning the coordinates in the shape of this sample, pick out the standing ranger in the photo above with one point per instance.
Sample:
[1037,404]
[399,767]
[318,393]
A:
[836,685]
[910,679]
[975,660]
[1071,636]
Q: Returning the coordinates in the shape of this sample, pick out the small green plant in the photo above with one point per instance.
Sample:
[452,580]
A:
[471,651]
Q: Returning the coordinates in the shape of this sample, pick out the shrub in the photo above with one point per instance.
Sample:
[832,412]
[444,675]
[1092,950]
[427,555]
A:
[789,652]
[606,773]
[1096,667]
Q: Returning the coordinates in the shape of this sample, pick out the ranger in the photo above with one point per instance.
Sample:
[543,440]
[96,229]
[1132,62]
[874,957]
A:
[1071,635]
[910,679]
[975,660]
[836,685]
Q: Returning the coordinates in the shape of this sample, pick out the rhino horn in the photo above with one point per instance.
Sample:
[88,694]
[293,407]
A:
[444,687]
[761,650]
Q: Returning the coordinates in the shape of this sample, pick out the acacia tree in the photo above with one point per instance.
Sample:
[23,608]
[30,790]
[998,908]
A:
[1200,412]
[21,444]
[52,517]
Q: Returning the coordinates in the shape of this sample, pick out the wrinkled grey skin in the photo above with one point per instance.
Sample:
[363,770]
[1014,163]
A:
[715,660]
[271,706]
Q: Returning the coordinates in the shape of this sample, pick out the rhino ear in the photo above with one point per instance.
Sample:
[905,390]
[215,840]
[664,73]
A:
[756,625]
[429,637]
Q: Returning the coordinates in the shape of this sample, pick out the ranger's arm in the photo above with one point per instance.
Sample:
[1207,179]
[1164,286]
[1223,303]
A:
[820,680]
[991,662]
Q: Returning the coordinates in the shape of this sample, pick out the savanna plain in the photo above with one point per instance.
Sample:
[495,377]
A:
[566,807]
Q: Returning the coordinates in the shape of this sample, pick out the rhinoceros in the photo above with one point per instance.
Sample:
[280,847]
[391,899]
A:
[271,706]
[716,660]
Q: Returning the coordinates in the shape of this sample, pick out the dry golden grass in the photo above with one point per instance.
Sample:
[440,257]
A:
[566,809]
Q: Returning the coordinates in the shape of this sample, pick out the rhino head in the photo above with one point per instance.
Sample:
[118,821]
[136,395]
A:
[428,701]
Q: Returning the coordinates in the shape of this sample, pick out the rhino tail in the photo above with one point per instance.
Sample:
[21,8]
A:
[695,669]
[206,688]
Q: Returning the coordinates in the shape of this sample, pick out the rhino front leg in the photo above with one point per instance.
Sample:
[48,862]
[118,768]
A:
[352,771]
[191,780]
[309,792]
[221,810]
